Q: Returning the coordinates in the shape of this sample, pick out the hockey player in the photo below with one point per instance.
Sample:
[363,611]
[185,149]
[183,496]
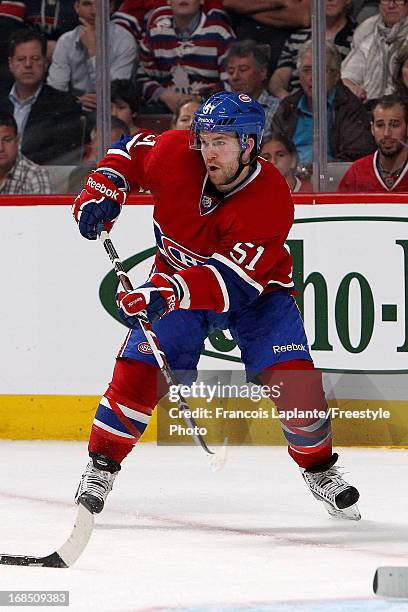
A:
[221,219]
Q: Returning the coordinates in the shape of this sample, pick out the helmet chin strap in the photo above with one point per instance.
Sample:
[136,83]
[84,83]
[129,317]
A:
[241,166]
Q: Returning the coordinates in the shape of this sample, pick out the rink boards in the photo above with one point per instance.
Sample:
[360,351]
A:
[59,337]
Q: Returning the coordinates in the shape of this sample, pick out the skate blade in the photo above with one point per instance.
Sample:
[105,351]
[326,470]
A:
[352,513]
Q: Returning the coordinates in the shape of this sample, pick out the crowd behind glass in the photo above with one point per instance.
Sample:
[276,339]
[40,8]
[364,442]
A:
[167,57]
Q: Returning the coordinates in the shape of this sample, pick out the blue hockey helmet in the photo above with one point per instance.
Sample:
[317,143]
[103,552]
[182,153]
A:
[227,111]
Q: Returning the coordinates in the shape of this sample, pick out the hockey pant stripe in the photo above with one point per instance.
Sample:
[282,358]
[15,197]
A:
[310,435]
[312,449]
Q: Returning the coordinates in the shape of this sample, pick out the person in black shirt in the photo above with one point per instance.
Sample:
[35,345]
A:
[49,121]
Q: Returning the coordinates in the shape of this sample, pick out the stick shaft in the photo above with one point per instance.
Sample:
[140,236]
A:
[153,341]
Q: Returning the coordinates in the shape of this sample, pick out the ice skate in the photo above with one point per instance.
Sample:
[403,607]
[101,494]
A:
[327,485]
[96,482]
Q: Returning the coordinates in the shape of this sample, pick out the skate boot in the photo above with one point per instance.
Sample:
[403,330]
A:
[328,486]
[96,482]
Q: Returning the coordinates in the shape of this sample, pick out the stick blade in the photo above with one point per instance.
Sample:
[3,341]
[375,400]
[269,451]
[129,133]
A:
[68,553]
[391,582]
[218,459]
[53,560]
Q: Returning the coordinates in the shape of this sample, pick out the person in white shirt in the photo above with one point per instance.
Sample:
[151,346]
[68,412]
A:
[73,66]
[367,70]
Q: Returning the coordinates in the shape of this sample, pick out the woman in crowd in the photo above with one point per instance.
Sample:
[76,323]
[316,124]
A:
[125,104]
[282,153]
[400,76]
[184,113]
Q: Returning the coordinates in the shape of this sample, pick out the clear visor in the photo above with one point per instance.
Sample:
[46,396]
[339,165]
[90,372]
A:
[217,139]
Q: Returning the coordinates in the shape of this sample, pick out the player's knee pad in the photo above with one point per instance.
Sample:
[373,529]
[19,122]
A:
[136,381]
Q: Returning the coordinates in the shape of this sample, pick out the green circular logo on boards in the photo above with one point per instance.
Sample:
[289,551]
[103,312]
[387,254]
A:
[110,286]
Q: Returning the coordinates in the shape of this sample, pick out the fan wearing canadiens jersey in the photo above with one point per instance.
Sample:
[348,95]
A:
[221,218]
[386,170]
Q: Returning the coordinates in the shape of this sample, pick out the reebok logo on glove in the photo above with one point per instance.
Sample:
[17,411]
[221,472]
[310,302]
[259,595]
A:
[103,189]
[133,302]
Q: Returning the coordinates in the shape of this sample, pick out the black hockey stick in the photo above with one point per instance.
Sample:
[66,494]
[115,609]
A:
[217,460]
[391,582]
[68,553]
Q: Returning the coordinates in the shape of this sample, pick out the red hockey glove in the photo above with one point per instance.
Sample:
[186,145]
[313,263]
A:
[161,295]
[99,203]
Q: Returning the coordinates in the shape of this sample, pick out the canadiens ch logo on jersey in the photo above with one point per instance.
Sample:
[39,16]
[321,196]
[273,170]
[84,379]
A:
[144,347]
[175,254]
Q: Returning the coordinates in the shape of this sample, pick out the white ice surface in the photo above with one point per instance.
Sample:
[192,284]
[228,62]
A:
[176,536]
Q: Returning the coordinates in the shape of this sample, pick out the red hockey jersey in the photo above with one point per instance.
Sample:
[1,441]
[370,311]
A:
[226,251]
[363,176]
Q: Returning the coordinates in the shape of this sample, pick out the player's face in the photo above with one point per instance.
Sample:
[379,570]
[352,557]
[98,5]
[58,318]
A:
[28,65]
[186,115]
[8,148]
[245,75]
[275,152]
[389,128]
[220,151]
[392,13]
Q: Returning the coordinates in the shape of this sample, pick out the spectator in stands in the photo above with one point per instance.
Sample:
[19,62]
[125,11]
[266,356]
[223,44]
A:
[125,104]
[49,121]
[182,52]
[400,76]
[268,21]
[118,129]
[184,113]
[78,175]
[52,18]
[367,70]
[282,153]
[18,175]
[362,9]
[339,31]
[387,168]
[73,66]
[247,71]
[124,14]
[349,134]
[133,13]
[11,19]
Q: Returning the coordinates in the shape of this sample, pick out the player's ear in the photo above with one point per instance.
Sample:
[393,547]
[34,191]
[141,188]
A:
[250,144]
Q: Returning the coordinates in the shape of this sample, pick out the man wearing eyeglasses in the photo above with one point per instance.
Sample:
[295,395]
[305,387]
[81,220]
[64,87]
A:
[349,134]
[368,68]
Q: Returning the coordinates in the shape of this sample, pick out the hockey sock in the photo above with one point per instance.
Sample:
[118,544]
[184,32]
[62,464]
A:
[303,410]
[125,409]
